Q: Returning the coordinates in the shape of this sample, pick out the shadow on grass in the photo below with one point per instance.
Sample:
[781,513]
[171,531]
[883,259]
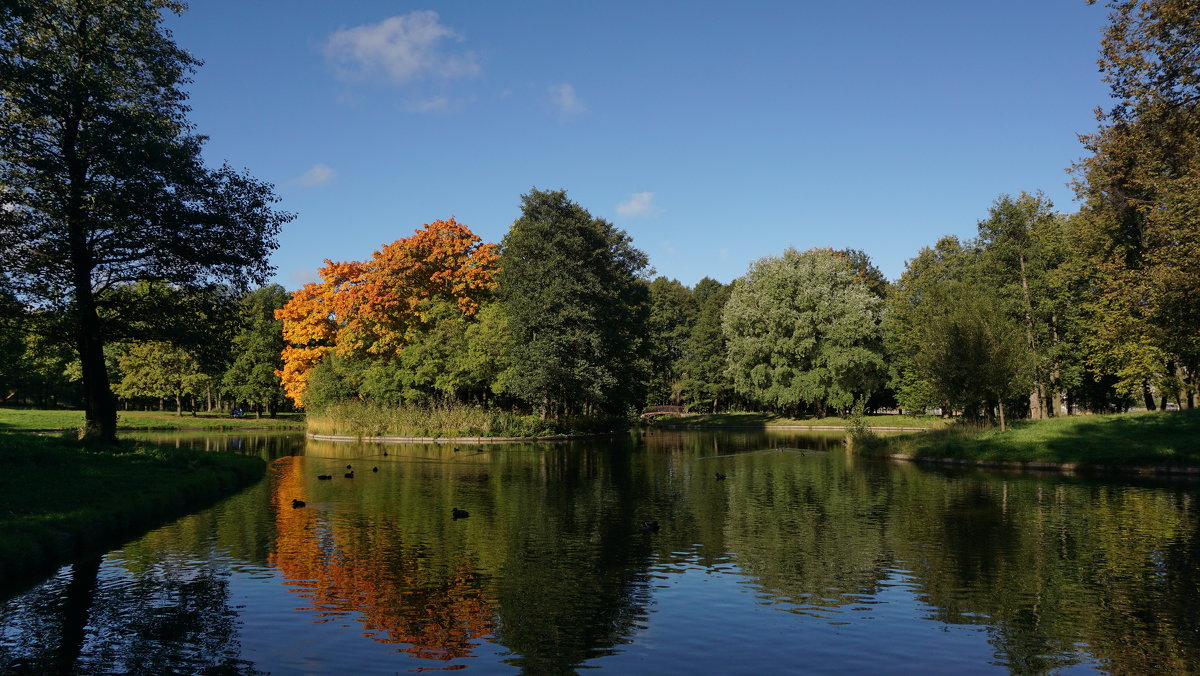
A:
[1163,438]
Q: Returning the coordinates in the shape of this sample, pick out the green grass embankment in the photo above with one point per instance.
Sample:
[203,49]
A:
[365,419]
[1155,439]
[59,499]
[42,420]
[772,420]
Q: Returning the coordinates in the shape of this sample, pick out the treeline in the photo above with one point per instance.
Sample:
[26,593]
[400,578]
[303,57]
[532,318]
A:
[197,349]
[561,319]
[1038,315]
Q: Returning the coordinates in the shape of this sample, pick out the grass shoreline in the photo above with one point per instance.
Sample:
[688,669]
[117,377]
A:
[62,420]
[768,420]
[60,500]
[1162,441]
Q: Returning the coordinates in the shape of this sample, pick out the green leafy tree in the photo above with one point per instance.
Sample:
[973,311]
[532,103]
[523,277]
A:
[256,350]
[488,354]
[571,286]
[672,313]
[971,351]
[159,370]
[101,173]
[804,330]
[706,382]
[910,301]
[1141,192]
[1017,253]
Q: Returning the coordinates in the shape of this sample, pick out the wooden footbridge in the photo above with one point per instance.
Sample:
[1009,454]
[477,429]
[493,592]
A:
[670,411]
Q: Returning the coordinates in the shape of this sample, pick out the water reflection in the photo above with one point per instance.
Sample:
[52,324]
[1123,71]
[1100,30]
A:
[803,558]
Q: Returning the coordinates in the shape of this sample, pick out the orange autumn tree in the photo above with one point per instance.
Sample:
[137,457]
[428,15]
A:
[377,307]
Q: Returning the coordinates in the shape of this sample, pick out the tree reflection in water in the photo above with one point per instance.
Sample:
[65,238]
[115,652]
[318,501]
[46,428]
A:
[553,571]
[170,618]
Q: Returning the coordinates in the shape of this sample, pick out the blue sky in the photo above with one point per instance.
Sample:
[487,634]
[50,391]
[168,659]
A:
[713,133]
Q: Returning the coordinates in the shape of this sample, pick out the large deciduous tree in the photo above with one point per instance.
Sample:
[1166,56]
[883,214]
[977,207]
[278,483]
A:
[672,313]
[1141,191]
[804,329]
[572,288]
[159,370]
[378,309]
[101,175]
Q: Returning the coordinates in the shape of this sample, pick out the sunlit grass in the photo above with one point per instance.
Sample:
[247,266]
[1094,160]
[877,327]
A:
[770,419]
[1148,438]
[18,419]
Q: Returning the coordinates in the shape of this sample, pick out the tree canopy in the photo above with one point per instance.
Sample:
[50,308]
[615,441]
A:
[382,307]
[804,329]
[571,287]
[101,172]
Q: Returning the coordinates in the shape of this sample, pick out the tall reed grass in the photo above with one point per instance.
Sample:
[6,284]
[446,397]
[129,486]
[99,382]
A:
[368,419]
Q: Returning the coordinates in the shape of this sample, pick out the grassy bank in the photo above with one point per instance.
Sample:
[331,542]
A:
[771,420]
[28,419]
[59,499]
[355,418]
[1131,439]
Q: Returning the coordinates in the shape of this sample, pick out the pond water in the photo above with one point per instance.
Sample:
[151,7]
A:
[804,560]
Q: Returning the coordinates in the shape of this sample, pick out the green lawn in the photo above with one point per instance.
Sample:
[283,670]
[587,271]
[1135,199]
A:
[1135,439]
[59,498]
[768,420]
[18,419]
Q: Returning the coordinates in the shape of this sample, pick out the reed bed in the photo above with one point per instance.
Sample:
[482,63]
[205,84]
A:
[367,419]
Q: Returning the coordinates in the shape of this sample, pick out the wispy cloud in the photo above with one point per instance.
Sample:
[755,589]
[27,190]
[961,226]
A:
[430,105]
[400,49]
[639,205]
[564,96]
[318,174]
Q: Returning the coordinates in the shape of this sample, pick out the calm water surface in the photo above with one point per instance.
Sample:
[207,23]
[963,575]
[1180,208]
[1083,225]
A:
[805,559]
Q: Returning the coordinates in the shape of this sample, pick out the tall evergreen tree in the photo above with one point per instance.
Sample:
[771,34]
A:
[572,288]
[101,172]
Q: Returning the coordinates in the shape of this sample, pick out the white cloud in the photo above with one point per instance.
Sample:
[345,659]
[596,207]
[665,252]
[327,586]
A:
[639,205]
[430,105]
[564,96]
[400,48]
[319,174]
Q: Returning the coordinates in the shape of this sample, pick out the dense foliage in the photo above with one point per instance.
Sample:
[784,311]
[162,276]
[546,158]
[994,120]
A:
[577,309]
[101,176]
[1039,314]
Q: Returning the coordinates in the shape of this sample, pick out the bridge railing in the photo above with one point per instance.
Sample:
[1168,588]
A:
[663,410]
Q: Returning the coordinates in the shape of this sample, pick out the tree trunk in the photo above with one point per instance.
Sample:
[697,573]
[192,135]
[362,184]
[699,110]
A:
[100,417]
[1163,401]
[1002,422]
[178,406]
[1037,397]
[100,405]
[1149,398]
